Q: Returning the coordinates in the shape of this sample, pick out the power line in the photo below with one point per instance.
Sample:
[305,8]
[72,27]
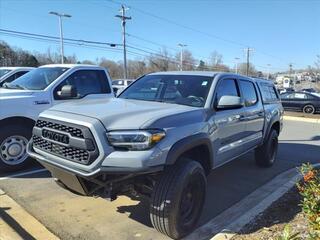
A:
[53,37]
[195,30]
[182,25]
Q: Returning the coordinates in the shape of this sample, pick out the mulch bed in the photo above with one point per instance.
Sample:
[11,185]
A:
[270,224]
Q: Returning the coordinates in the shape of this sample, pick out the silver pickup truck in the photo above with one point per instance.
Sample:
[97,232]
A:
[160,138]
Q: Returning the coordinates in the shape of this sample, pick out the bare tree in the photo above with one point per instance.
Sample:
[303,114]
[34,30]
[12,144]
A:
[115,69]
[161,61]
[16,57]
[242,69]
[216,58]
[136,68]
[89,62]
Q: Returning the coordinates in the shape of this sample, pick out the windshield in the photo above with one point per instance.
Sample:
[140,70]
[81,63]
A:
[179,89]
[37,79]
[4,72]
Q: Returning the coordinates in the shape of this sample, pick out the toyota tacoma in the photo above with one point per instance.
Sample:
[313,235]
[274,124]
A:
[160,138]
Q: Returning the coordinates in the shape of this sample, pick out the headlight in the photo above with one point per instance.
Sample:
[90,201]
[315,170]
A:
[135,140]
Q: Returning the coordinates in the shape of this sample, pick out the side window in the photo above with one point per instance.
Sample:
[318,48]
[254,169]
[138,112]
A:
[269,93]
[148,90]
[274,93]
[249,93]
[19,74]
[10,79]
[86,82]
[300,96]
[227,87]
[309,96]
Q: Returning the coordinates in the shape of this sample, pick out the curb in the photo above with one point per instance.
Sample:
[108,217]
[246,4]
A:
[301,119]
[16,223]
[227,224]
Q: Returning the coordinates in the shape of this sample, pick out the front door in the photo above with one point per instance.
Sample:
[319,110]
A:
[88,83]
[230,127]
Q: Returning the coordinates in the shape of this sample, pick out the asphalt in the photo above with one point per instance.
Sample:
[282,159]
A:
[70,216]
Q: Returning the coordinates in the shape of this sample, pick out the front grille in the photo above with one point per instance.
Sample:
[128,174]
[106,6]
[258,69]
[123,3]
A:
[81,147]
[75,132]
[70,153]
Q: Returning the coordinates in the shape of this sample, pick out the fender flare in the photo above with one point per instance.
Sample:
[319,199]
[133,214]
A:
[271,123]
[188,143]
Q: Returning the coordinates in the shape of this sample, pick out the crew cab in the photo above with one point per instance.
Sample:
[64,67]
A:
[160,138]
[8,74]
[22,100]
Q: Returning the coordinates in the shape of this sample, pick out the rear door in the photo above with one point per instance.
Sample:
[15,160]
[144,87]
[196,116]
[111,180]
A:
[253,115]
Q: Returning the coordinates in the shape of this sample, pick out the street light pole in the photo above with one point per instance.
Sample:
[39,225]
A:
[237,59]
[60,15]
[123,18]
[181,54]
[268,70]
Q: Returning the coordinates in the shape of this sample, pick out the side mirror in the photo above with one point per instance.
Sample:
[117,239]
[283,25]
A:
[229,102]
[115,90]
[68,92]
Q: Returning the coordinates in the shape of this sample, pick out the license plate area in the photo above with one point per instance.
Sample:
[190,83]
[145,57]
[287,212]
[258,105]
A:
[70,180]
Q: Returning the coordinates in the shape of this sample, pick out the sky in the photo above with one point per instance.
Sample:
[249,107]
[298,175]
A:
[280,32]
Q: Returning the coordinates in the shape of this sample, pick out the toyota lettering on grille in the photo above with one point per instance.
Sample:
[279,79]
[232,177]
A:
[55,136]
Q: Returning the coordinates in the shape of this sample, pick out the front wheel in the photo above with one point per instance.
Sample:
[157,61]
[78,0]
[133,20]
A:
[178,199]
[13,144]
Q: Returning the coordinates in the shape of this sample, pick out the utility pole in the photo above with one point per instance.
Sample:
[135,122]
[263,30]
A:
[290,74]
[268,76]
[237,62]
[60,15]
[123,18]
[248,50]
[181,54]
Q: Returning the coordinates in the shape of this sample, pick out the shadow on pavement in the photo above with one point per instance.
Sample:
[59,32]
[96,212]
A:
[232,182]
[15,225]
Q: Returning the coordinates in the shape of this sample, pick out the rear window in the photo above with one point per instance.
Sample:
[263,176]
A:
[269,92]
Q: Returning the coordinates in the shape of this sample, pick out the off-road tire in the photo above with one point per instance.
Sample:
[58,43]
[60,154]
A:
[266,154]
[309,109]
[172,195]
[5,133]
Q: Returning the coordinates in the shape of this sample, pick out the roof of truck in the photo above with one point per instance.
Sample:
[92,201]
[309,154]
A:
[70,65]
[15,68]
[197,73]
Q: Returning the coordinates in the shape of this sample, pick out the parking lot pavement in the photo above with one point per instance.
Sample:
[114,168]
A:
[303,115]
[70,216]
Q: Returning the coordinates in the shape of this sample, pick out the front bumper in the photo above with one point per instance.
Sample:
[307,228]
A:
[87,183]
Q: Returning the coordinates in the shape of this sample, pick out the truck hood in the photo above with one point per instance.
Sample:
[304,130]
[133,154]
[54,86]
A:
[9,93]
[116,113]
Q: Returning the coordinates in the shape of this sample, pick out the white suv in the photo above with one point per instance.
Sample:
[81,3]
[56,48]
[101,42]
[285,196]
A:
[22,100]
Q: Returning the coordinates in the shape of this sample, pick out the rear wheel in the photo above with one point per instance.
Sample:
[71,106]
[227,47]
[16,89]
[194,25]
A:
[308,109]
[13,144]
[266,154]
[178,199]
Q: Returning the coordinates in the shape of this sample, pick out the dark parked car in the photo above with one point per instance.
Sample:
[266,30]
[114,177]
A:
[301,101]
